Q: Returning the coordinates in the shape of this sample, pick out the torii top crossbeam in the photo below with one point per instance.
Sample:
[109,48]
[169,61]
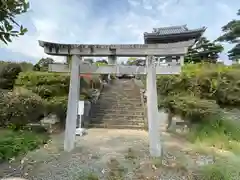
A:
[127,50]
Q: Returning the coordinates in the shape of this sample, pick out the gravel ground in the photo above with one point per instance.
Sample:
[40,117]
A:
[95,150]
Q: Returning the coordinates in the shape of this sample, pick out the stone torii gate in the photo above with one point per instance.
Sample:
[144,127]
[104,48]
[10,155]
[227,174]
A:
[77,66]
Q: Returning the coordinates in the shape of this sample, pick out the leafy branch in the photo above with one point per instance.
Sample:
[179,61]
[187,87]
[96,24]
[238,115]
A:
[8,11]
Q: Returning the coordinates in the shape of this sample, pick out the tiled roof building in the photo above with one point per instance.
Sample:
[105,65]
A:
[172,34]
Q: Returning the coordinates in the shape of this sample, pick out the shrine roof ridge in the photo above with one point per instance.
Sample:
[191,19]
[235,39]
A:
[181,27]
[174,30]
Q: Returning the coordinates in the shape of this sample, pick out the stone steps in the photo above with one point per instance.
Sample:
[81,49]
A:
[120,103]
[117,118]
[117,122]
[119,113]
[119,106]
[113,108]
[120,100]
[140,127]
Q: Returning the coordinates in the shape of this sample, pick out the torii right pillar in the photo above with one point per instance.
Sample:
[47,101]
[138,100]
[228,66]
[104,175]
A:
[152,109]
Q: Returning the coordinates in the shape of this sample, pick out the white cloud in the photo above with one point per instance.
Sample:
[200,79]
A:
[71,21]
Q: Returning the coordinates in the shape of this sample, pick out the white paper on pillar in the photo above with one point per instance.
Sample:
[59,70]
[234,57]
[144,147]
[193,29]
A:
[80,107]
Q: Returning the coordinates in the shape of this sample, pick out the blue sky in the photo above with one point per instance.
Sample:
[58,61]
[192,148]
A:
[112,21]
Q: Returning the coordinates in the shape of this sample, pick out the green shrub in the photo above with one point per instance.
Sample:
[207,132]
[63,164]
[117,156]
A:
[58,106]
[53,88]
[41,78]
[18,109]
[49,91]
[85,83]
[6,83]
[207,81]
[96,82]
[171,84]
[48,85]
[228,90]
[189,107]
[25,66]
[14,143]
[8,74]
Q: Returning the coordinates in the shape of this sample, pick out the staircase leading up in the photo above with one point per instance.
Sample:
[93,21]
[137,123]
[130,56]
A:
[119,106]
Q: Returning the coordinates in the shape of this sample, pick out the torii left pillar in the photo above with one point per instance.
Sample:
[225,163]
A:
[72,108]
[152,109]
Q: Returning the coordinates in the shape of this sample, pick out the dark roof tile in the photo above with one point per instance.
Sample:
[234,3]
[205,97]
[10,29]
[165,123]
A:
[173,30]
[170,30]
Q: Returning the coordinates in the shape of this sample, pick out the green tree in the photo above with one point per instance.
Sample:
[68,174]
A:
[131,61]
[42,64]
[8,73]
[203,51]
[231,34]
[8,11]
[101,62]
[26,66]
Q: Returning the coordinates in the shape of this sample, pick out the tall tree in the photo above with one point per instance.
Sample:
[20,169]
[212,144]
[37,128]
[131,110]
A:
[231,34]
[42,64]
[8,11]
[136,61]
[204,51]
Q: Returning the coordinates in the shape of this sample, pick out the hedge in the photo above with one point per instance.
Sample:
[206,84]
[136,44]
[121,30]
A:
[49,85]
[53,89]
[206,81]
[190,108]
[46,85]
[19,109]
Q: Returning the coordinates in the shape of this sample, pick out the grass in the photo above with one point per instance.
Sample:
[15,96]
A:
[15,143]
[222,134]
[157,162]
[87,176]
[222,169]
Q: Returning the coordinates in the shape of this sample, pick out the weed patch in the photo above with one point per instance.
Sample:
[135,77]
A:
[14,143]
[221,134]
[224,169]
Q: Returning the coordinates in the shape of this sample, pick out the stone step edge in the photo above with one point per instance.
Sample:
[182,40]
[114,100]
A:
[102,114]
[115,126]
[117,121]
